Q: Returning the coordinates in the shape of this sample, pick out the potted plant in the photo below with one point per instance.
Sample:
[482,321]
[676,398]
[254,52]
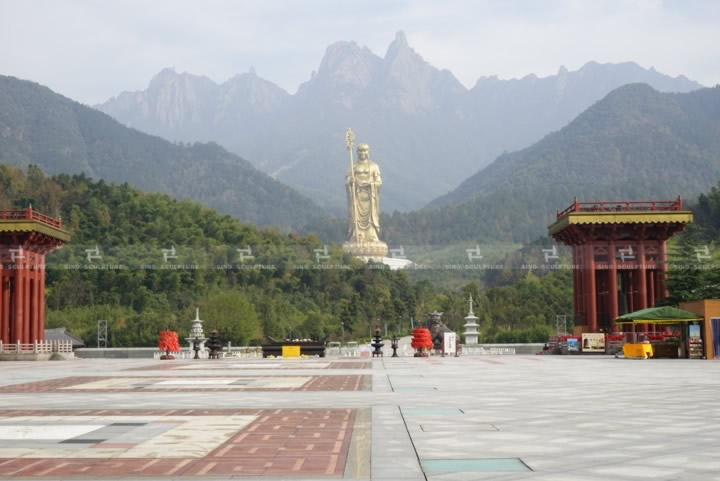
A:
[421,342]
[168,342]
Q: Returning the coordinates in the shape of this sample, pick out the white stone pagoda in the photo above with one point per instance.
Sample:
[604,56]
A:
[196,331]
[471,327]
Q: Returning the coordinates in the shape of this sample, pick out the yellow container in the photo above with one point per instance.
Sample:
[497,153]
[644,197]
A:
[291,351]
[642,351]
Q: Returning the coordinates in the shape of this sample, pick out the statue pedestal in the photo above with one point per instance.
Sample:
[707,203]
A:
[396,264]
[375,251]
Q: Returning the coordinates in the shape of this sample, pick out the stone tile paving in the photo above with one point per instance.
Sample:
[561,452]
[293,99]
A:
[564,418]
[274,364]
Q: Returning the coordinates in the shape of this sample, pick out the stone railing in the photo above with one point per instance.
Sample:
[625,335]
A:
[487,351]
[234,351]
[501,349]
[42,347]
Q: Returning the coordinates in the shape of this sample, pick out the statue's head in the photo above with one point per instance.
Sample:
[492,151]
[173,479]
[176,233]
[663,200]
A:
[363,151]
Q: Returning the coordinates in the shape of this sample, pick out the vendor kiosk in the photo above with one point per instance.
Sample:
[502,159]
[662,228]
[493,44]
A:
[680,335]
[709,325]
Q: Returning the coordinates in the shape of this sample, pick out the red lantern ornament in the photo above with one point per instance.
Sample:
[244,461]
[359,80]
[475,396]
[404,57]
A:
[168,342]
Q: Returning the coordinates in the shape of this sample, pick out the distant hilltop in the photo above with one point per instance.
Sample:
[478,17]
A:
[428,131]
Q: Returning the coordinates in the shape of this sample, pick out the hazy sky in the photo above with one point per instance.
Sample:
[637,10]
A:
[91,50]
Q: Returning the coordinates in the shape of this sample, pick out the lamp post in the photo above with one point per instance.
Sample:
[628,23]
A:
[394,345]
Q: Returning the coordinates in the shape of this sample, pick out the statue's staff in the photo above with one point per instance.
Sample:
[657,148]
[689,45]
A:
[350,141]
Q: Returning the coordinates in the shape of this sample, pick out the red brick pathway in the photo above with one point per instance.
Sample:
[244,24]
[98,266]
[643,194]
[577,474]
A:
[281,442]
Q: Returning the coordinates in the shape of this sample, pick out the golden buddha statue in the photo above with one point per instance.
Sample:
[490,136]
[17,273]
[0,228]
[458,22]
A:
[363,184]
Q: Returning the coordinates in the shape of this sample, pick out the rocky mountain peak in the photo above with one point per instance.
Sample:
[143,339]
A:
[346,64]
[164,77]
[168,79]
[413,83]
[251,91]
[400,51]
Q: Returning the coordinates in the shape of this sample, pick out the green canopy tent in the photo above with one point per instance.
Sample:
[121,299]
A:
[658,315]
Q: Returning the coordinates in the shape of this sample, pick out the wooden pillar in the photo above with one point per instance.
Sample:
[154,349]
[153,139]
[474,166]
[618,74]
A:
[663,270]
[631,294]
[651,288]
[642,278]
[581,282]
[590,288]
[16,327]
[42,297]
[4,308]
[30,329]
[576,304]
[31,296]
[26,308]
[7,311]
[651,292]
[37,335]
[601,280]
[612,285]
[642,281]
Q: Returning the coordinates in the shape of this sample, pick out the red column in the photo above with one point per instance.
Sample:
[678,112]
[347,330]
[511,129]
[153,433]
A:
[17,327]
[630,276]
[642,280]
[651,292]
[27,320]
[583,284]
[42,297]
[651,288]
[35,301]
[590,288]
[612,285]
[7,313]
[30,296]
[4,309]
[663,269]
[576,283]
[574,262]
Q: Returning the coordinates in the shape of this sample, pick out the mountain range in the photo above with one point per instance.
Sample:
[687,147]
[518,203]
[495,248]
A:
[42,128]
[426,130]
[635,144]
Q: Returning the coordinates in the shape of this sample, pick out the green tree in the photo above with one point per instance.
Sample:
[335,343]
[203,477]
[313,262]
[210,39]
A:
[685,277]
[232,314]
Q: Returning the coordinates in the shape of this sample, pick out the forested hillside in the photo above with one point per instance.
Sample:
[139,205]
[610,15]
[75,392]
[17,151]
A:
[283,291]
[694,272]
[40,127]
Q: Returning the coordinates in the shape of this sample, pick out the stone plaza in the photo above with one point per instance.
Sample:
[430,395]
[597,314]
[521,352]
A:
[552,418]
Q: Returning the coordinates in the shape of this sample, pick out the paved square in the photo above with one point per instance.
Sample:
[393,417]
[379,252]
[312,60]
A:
[273,364]
[544,418]
[131,442]
[195,384]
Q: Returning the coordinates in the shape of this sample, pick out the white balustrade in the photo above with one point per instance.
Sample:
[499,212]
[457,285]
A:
[41,347]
